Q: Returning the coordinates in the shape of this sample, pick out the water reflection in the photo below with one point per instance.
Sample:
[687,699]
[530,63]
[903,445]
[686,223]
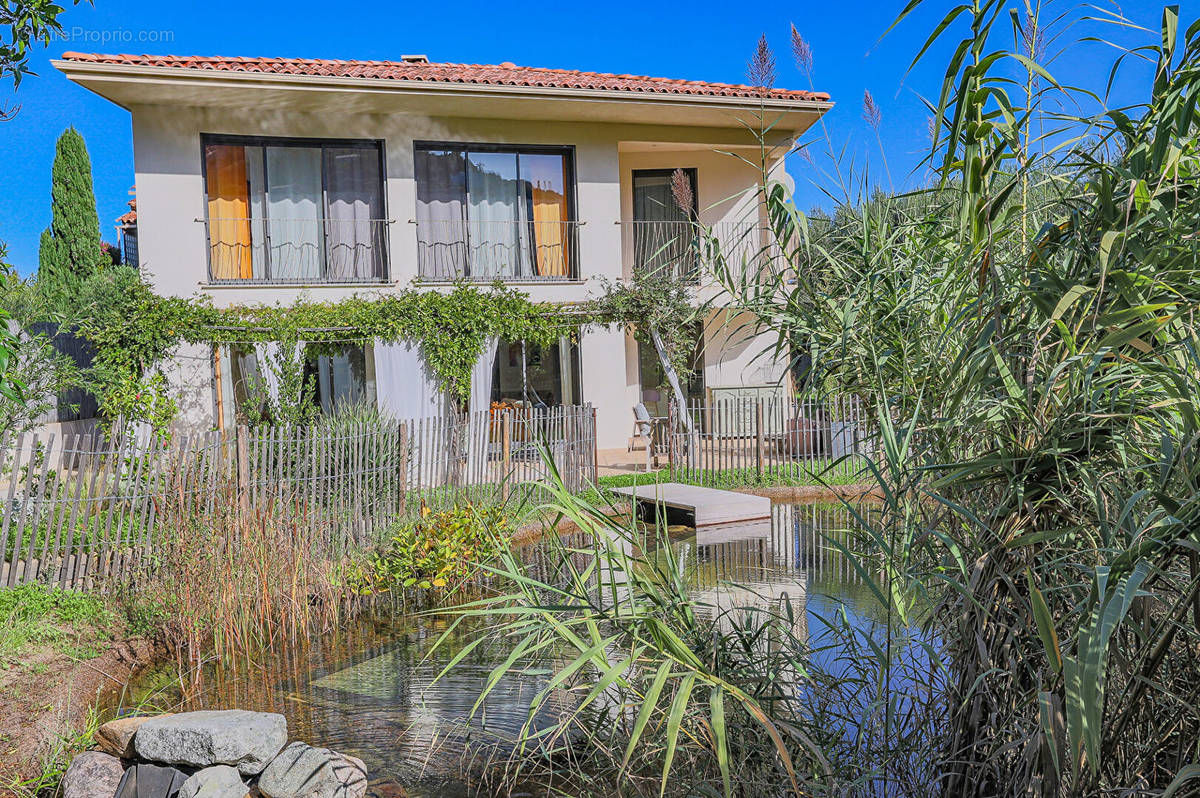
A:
[368,687]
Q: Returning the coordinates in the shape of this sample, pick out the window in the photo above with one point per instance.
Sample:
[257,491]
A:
[536,376]
[488,212]
[664,234]
[342,374]
[294,211]
[249,378]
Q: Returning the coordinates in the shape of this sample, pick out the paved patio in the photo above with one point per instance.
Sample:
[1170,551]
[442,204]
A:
[619,461]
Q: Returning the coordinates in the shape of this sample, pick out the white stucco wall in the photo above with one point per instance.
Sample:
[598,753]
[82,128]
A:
[173,253]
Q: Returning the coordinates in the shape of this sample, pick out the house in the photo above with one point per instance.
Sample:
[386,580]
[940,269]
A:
[127,233]
[263,179]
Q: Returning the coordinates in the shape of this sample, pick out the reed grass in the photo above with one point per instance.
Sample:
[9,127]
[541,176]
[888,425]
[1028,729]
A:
[228,576]
[1024,332]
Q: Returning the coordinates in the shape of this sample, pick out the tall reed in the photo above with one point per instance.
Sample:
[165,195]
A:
[648,691]
[1036,400]
[227,576]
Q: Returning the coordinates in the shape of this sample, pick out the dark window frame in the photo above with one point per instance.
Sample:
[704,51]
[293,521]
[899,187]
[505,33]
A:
[572,188]
[232,139]
[692,172]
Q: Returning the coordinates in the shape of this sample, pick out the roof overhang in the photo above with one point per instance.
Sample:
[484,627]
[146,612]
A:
[131,85]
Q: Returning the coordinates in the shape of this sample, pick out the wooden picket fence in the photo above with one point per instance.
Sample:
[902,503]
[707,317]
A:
[775,437]
[78,508]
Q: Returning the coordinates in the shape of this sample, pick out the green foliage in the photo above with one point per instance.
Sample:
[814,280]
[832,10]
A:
[667,696]
[135,330]
[35,615]
[656,301]
[1036,397]
[70,248]
[26,23]
[11,388]
[124,396]
[436,550]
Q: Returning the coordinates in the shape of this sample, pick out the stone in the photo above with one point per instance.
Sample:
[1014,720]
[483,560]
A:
[145,780]
[302,771]
[92,774]
[218,781]
[116,736]
[245,740]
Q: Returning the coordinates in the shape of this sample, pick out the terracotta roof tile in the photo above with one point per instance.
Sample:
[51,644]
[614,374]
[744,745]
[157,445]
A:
[129,217]
[505,74]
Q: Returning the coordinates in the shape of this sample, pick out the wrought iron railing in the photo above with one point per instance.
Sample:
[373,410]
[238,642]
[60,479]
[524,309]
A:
[468,249]
[686,249]
[299,250]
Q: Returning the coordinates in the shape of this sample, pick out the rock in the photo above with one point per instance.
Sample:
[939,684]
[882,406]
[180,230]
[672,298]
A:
[301,771]
[145,780]
[218,781]
[92,774]
[246,740]
[116,736]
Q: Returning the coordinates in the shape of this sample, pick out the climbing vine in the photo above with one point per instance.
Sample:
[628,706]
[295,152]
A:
[135,331]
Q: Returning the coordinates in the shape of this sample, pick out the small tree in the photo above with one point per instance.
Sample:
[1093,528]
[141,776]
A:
[658,308]
[70,249]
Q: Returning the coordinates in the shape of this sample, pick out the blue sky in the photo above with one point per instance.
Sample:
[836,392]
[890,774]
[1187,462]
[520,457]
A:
[702,41]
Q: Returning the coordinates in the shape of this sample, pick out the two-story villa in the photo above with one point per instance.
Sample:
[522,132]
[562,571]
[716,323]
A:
[262,179]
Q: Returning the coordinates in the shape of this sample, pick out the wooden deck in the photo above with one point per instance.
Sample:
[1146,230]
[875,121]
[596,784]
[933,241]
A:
[705,505]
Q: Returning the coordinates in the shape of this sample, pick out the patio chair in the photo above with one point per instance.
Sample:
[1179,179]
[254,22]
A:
[643,427]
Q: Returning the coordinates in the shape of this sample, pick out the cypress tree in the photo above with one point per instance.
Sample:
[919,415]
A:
[70,249]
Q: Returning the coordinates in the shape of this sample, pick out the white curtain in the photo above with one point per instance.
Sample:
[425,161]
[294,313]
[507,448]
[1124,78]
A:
[479,405]
[441,199]
[404,386]
[258,212]
[481,377]
[355,213]
[494,216]
[295,206]
[268,357]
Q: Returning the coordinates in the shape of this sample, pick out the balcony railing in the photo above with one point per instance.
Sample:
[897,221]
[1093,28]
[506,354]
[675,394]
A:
[289,251]
[685,249]
[465,249]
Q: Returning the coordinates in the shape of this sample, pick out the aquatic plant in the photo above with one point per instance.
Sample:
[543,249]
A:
[441,549]
[642,682]
[227,576]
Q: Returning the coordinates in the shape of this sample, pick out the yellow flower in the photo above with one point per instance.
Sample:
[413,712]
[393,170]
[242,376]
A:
[439,582]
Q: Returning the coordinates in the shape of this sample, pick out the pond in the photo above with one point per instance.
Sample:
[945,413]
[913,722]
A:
[368,689]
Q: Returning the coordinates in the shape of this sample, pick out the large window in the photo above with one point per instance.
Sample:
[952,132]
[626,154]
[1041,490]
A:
[294,211]
[528,375]
[249,378]
[487,212]
[664,234]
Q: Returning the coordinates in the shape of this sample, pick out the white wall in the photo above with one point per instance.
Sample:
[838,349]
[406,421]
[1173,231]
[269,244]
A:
[736,355]
[172,246]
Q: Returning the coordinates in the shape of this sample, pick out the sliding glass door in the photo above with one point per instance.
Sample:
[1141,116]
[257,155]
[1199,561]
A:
[664,237]
[294,211]
[494,212]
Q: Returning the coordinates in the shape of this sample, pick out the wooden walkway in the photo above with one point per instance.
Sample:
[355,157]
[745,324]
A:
[704,505]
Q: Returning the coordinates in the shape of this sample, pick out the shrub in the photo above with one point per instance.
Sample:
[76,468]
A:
[437,550]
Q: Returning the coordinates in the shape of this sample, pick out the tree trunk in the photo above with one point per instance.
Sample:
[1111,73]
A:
[673,379]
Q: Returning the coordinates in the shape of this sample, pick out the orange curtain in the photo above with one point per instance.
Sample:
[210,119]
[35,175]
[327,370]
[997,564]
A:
[228,212]
[551,228]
